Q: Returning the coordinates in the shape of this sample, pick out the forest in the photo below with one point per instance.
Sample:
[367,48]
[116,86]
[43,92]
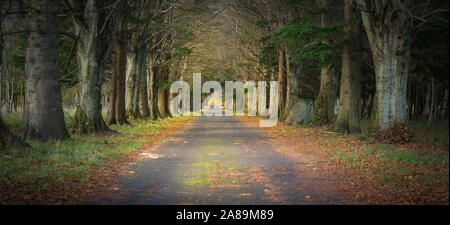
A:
[85,89]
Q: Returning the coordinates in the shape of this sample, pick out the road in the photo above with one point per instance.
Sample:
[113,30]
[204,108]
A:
[220,160]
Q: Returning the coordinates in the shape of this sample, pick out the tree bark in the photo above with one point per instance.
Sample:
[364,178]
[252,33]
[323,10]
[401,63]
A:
[43,115]
[94,46]
[350,92]
[281,82]
[150,93]
[163,95]
[142,73]
[291,86]
[155,96]
[131,85]
[433,104]
[324,108]
[389,31]
[116,108]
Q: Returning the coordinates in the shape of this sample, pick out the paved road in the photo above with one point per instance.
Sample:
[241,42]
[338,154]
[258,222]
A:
[219,160]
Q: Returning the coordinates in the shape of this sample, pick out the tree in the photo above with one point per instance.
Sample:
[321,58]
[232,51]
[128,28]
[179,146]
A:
[324,108]
[116,108]
[43,116]
[7,138]
[390,27]
[350,90]
[95,26]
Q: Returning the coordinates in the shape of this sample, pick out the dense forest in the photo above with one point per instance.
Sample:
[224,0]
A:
[363,67]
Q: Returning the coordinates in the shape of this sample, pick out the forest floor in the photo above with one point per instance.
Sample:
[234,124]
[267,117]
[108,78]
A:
[63,172]
[373,173]
[224,160]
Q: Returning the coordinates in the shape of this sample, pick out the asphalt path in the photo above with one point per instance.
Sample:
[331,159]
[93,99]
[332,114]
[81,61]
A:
[219,160]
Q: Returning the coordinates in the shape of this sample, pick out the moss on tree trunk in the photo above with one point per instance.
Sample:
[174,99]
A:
[81,124]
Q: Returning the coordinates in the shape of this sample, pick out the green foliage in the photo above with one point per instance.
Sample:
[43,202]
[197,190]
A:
[164,85]
[17,61]
[310,43]
[268,55]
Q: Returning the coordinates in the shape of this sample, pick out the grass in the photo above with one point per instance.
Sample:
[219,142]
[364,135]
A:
[436,132]
[50,162]
[414,172]
[401,167]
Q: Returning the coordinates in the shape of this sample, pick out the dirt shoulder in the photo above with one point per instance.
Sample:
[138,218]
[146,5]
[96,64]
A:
[370,173]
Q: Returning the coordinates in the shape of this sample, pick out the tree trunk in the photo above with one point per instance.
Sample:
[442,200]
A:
[43,115]
[142,73]
[291,86]
[427,108]
[132,98]
[324,108]
[433,104]
[416,104]
[281,82]
[350,92]
[116,108]
[94,46]
[150,93]
[135,112]
[155,96]
[390,39]
[163,92]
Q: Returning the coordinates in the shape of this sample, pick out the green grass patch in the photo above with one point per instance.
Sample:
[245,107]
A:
[50,162]
[392,154]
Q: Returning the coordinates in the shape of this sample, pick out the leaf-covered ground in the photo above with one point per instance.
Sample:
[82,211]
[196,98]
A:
[64,172]
[412,173]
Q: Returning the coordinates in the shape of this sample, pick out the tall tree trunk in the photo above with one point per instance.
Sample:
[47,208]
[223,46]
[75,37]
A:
[155,97]
[427,108]
[389,32]
[142,73]
[324,108]
[291,86]
[163,90]
[416,103]
[150,93]
[433,104]
[43,116]
[350,92]
[116,108]
[281,82]
[94,47]
[135,112]
[131,85]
